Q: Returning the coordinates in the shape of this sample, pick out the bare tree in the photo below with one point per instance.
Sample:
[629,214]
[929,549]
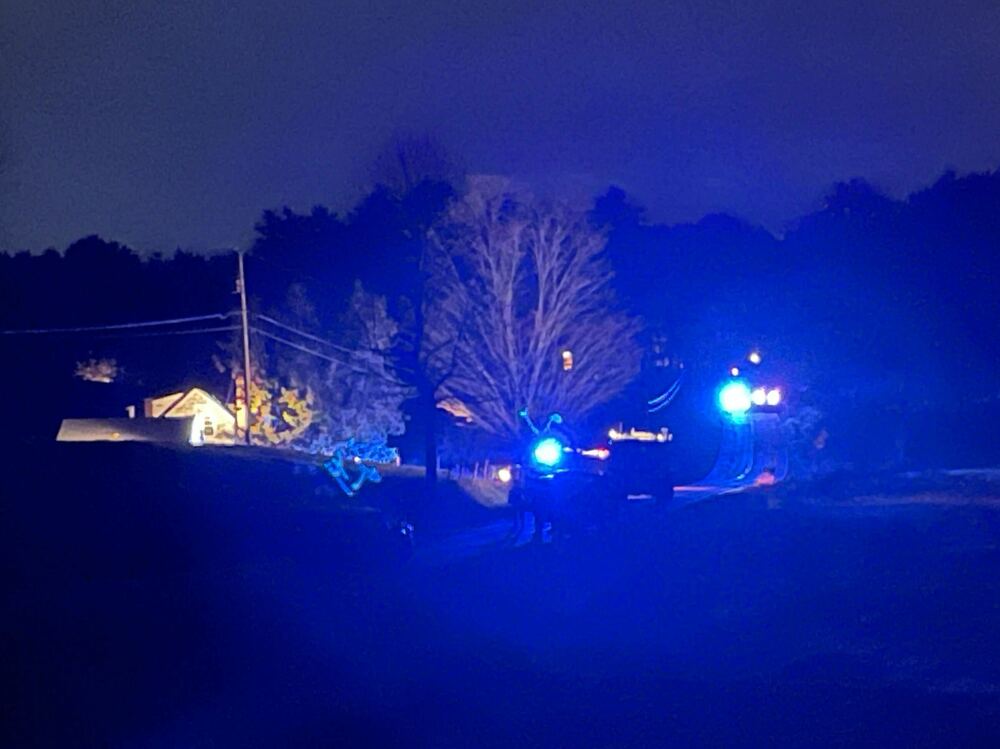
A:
[407,159]
[522,313]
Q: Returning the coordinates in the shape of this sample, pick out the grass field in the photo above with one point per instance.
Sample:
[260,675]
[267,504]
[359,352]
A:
[168,599]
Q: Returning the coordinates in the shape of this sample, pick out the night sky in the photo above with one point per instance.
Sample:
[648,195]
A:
[175,124]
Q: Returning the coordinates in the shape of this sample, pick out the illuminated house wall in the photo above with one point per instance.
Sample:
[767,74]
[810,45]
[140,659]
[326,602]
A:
[213,422]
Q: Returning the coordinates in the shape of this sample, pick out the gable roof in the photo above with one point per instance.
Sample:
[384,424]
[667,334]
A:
[185,403]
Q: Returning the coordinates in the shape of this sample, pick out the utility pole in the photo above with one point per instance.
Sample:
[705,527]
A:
[241,285]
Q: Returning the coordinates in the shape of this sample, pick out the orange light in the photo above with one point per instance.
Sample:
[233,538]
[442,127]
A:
[567,360]
[504,475]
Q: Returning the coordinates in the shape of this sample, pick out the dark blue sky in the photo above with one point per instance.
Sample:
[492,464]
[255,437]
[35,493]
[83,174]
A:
[176,123]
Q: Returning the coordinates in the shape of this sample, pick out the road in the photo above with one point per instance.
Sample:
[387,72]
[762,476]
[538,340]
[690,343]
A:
[747,449]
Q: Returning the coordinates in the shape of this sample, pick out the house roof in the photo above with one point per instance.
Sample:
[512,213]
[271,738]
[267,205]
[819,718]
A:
[125,430]
[185,399]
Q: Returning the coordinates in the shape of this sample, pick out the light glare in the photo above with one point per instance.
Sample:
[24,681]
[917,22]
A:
[734,398]
[548,452]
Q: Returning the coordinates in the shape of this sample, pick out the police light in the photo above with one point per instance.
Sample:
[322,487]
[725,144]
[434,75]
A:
[758,397]
[548,452]
[734,398]
[773,397]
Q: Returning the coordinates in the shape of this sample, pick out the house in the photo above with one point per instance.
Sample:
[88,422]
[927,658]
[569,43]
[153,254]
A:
[174,431]
[192,416]
[213,422]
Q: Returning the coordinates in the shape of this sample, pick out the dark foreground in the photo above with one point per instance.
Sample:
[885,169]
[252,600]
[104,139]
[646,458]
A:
[188,609]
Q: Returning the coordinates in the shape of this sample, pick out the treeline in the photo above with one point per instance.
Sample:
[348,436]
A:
[866,294]
[868,303]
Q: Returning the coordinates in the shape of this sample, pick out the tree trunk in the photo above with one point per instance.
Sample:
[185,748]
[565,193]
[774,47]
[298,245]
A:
[430,441]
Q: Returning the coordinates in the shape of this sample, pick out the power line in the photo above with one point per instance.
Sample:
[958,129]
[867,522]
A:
[348,351]
[172,332]
[119,326]
[311,337]
[320,355]
[294,345]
